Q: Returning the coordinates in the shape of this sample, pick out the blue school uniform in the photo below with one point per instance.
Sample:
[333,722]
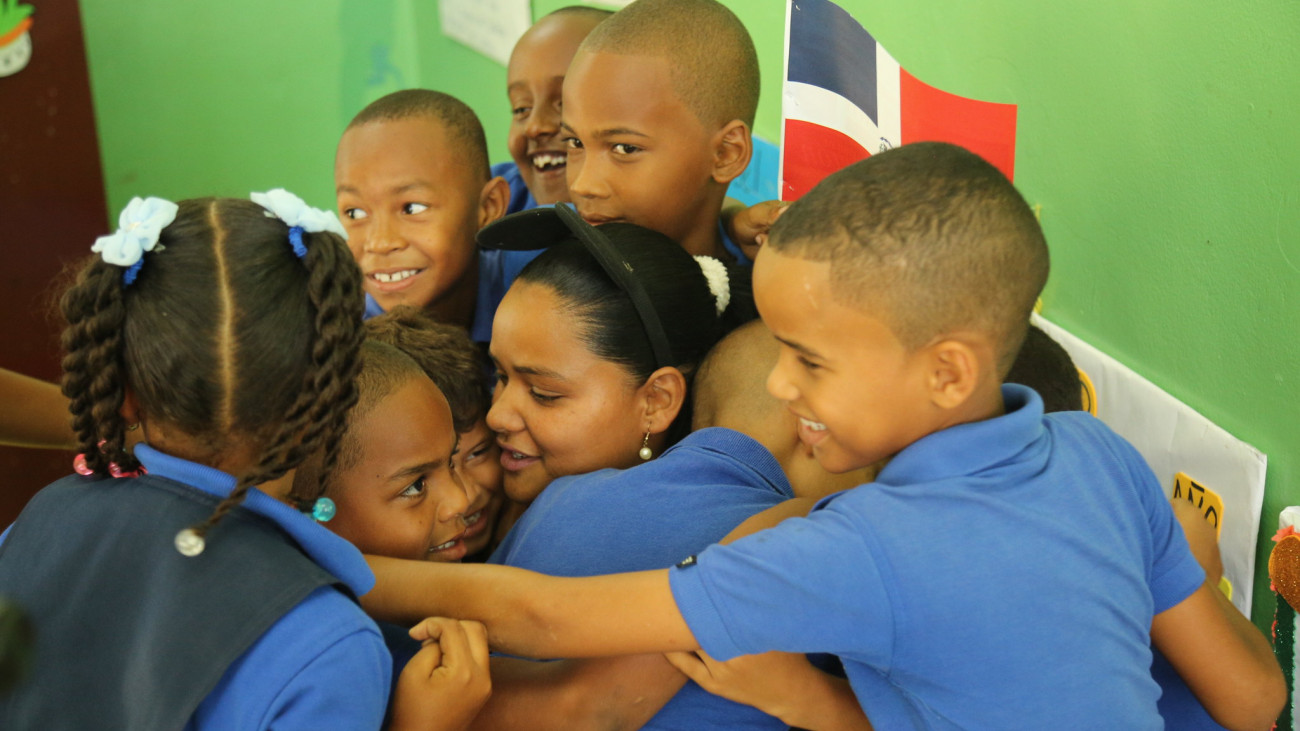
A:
[521,199]
[649,517]
[997,574]
[496,271]
[320,664]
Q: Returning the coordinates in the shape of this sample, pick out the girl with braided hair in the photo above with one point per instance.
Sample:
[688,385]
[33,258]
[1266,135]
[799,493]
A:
[184,583]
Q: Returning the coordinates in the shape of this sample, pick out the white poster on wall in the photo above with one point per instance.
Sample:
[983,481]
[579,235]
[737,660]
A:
[1193,458]
[490,27]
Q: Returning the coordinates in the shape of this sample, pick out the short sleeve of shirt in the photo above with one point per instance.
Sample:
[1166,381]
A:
[809,584]
[1175,574]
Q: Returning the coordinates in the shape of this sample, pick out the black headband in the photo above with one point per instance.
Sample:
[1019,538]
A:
[539,228]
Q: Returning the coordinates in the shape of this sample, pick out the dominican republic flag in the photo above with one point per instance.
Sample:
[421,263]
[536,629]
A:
[847,98]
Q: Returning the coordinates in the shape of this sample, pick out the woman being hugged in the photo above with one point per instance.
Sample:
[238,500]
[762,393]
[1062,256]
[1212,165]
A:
[182,583]
[596,342]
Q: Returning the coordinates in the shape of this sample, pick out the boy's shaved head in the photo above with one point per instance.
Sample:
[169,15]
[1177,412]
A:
[445,354]
[929,237]
[454,115]
[714,65]
[597,14]
[728,387]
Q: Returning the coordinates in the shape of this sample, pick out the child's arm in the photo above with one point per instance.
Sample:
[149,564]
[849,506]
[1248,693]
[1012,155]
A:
[606,692]
[443,687]
[1224,659]
[35,414]
[533,615]
[780,684]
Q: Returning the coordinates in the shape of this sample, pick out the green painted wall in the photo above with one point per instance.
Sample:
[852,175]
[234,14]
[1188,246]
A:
[1158,137]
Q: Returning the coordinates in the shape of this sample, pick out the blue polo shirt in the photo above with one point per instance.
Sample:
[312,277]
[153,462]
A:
[323,665]
[649,517]
[997,574]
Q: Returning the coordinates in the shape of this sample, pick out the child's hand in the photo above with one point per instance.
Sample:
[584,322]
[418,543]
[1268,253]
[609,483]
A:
[443,687]
[780,684]
[748,227]
[1202,538]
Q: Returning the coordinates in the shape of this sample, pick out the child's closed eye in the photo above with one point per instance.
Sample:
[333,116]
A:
[520,112]
[542,397]
[808,364]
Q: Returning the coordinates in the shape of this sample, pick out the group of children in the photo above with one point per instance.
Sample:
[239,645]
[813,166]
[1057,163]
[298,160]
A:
[554,365]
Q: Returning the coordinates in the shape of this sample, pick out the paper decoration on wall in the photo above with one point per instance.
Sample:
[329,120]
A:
[1089,396]
[845,98]
[15,41]
[1177,441]
[490,27]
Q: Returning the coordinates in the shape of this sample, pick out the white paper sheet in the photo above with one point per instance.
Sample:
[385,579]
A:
[1174,438]
[490,27]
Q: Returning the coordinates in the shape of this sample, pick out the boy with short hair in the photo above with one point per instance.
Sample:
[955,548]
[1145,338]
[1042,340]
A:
[534,80]
[448,357]
[1004,570]
[411,174]
[658,106]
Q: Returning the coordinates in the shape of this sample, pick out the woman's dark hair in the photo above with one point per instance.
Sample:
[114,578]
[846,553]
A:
[225,335]
[609,325]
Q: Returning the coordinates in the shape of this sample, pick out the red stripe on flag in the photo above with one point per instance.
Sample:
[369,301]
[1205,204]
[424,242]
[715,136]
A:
[812,152]
[985,128]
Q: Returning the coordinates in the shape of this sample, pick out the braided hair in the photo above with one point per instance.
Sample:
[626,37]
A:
[225,335]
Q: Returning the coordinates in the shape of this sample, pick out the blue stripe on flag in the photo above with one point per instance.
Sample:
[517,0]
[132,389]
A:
[828,48]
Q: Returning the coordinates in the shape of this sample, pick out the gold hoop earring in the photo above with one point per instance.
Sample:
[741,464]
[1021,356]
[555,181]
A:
[645,452]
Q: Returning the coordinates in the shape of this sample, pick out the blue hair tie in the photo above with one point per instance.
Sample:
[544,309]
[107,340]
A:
[295,240]
[128,276]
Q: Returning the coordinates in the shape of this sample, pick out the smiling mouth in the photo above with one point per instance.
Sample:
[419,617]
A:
[813,425]
[547,161]
[392,277]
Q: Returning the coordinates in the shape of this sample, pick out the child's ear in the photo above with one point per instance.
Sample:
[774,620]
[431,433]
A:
[732,148]
[493,200]
[955,370]
[664,393]
[130,409]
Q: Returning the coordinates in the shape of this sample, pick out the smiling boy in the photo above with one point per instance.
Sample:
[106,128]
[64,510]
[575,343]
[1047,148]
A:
[411,176]
[658,106]
[534,80]
[1005,569]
